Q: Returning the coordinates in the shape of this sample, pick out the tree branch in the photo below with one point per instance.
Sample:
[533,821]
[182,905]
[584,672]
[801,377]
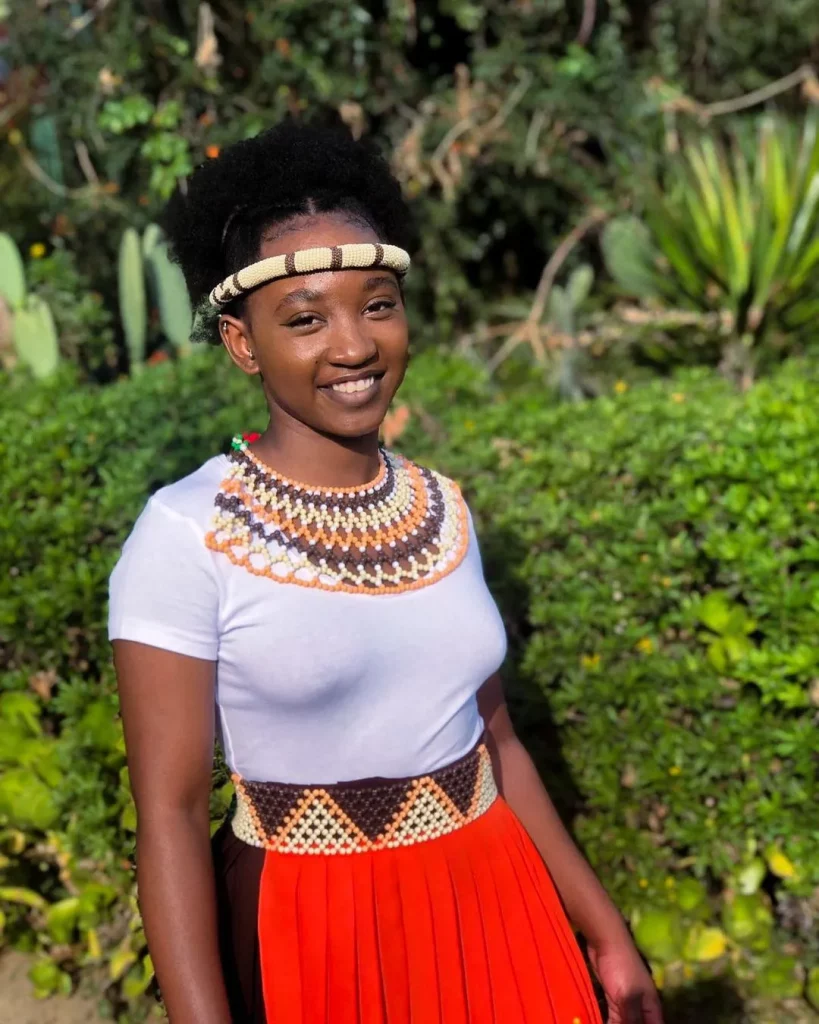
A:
[804,74]
[587,24]
[529,330]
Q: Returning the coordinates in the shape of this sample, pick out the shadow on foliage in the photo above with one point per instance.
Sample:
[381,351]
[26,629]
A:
[713,1000]
[503,555]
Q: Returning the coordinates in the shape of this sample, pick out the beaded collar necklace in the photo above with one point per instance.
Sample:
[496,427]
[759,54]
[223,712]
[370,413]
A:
[404,530]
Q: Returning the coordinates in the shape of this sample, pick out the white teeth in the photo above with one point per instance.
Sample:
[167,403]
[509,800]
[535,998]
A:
[349,387]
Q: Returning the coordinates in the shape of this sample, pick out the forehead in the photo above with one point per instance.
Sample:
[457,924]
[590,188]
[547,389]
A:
[314,232]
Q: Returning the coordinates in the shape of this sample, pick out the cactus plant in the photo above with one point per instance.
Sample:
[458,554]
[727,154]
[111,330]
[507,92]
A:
[32,326]
[12,274]
[132,298]
[151,236]
[35,337]
[175,313]
[630,256]
[144,260]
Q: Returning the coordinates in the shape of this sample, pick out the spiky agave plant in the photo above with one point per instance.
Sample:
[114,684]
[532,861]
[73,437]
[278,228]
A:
[733,228]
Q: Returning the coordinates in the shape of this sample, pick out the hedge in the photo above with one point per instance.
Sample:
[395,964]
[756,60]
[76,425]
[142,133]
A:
[655,554]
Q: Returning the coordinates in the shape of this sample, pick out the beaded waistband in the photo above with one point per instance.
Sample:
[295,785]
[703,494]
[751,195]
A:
[358,817]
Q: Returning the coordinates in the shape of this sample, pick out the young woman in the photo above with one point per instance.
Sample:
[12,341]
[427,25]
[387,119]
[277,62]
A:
[318,604]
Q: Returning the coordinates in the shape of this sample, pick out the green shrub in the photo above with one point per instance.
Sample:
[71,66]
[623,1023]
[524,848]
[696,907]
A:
[655,555]
[658,559]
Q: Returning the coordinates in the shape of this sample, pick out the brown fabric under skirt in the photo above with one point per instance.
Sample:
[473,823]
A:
[238,870]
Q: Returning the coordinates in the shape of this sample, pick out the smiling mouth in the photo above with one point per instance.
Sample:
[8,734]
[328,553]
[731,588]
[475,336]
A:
[355,393]
[351,387]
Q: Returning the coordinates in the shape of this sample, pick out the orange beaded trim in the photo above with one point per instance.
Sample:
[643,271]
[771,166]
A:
[380,527]
[364,817]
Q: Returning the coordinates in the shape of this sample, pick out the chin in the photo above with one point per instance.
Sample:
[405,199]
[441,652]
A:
[350,427]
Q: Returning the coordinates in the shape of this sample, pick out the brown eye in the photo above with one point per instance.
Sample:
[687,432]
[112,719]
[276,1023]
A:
[380,305]
[307,320]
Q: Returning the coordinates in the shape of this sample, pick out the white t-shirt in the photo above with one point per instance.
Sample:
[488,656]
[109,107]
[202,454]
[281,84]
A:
[311,686]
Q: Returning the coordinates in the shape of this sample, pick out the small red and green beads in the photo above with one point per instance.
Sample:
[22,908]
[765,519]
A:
[240,442]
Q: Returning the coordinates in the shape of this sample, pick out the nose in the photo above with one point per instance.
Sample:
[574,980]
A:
[352,344]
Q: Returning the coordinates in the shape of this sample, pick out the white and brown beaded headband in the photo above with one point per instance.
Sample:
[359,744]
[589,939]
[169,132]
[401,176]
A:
[353,256]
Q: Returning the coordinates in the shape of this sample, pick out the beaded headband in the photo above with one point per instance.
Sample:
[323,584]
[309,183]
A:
[353,256]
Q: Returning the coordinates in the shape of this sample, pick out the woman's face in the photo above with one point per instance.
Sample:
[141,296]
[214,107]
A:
[331,347]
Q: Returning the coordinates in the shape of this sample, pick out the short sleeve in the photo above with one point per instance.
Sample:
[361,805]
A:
[162,591]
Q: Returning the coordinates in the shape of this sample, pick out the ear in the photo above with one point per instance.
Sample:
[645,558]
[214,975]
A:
[236,339]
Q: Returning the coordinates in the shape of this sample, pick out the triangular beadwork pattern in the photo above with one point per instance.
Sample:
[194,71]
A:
[372,808]
[379,815]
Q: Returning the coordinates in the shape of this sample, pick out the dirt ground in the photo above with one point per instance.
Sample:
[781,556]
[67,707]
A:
[18,1006]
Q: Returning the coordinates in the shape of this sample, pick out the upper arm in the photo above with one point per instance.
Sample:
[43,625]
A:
[167,702]
[163,623]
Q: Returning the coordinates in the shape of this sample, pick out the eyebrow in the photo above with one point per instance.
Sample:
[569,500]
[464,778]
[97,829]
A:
[311,295]
[299,295]
[381,279]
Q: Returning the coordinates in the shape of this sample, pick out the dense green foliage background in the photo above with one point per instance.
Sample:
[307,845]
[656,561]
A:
[657,569]
[506,121]
[654,548]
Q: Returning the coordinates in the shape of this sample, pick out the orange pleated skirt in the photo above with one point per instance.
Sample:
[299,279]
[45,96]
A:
[466,928]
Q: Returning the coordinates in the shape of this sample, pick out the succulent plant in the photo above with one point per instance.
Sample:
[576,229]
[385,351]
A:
[35,337]
[145,261]
[171,292]
[33,331]
[12,274]
[132,298]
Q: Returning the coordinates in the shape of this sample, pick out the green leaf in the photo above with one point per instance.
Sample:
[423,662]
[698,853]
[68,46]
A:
[714,611]
[703,944]
[61,919]
[27,897]
[659,935]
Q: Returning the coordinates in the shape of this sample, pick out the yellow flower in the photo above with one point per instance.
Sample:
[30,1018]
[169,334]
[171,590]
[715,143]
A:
[643,883]
[646,645]
[670,883]
[678,397]
[666,581]
[620,387]
[590,661]
[675,770]
[15,137]
[37,251]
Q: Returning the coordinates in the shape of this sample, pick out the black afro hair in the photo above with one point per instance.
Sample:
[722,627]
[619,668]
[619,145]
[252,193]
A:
[216,220]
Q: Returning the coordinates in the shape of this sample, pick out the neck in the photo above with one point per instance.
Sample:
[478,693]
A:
[319,460]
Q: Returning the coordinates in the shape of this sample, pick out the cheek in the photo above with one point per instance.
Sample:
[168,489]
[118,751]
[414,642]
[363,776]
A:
[395,343]
[288,364]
